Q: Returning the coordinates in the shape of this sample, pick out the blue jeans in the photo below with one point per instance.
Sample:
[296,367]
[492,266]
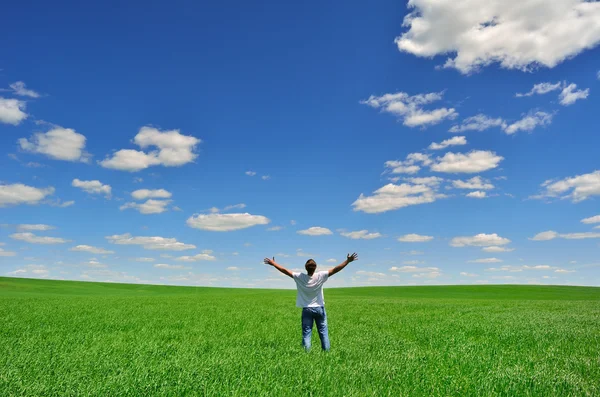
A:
[319,316]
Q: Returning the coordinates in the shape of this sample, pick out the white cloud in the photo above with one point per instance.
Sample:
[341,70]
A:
[414,262]
[150,243]
[550,235]
[91,249]
[38,227]
[143,194]
[370,274]
[145,259]
[250,173]
[36,271]
[59,143]
[512,33]
[12,111]
[475,183]
[413,252]
[59,203]
[18,88]
[529,122]
[592,219]
[331,260]
[410,108]
[543,236]
[149,207]
[170,267]
[414,238]
[235,206]
[570,94]
[516,269]
[472,162]
[408,166]
[92,187]
[497,249]
[477,194]
[583,187]
[414,269]
[564,271]
[465,274]
[203,256]
[479,122]
[172,150]
[361,234]
[479,240]
[265,177]
[315,231]
[392,197]
[454,141]
[233,269]
[7,253]
[486,260]
[33,239]
[541,88]
[226,222]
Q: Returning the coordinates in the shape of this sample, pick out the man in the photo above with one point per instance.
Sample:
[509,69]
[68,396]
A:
[310,297]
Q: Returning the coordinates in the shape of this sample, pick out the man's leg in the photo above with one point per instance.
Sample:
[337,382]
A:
[321,320]
[307,325]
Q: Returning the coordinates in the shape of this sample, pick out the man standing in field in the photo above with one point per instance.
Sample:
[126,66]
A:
[310,297]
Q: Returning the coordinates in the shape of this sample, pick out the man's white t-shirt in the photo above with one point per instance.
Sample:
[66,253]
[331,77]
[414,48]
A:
[310,289]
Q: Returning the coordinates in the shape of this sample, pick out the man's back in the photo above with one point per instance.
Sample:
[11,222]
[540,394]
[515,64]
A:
[310,288]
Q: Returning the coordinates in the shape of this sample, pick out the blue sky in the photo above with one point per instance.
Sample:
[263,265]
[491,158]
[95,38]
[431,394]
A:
[182,143]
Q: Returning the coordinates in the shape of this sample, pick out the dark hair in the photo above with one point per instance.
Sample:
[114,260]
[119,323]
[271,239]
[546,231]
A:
[310,261]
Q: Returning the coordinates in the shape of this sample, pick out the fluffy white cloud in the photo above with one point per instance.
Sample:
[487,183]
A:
[150,243]
[203,256]
[331,260]
[454,141]
[592,219]
[581,187]
[143,194]
[465,274]
[18,87]
[408,166]
[564,271]
[550,235]
[12,111]
[250,173]
[410,108]
[38,227]
[529,122]
[370,274]
[570,94]
[226,222]
[22,194]
[414,238]
[391,197]
[497,249]
[486,260]
[172,150]
[7,253]
[472,162]
[59,143]
[149,207]
[517,34]
[477,194]
[91,249]
[92,187]
[479,240]
[33,239]
[541,88]
[414,269]
[145,259]
[315,231]
[170,267]
[361,234]
[475,183]
[479,122]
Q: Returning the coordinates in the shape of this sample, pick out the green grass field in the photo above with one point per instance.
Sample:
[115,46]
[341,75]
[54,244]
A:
[77,338]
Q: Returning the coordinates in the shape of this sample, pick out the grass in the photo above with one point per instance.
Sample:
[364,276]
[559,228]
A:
[78,338]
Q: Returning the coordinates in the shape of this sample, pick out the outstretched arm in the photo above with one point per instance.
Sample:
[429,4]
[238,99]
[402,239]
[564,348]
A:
[278,267]
[349,258]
